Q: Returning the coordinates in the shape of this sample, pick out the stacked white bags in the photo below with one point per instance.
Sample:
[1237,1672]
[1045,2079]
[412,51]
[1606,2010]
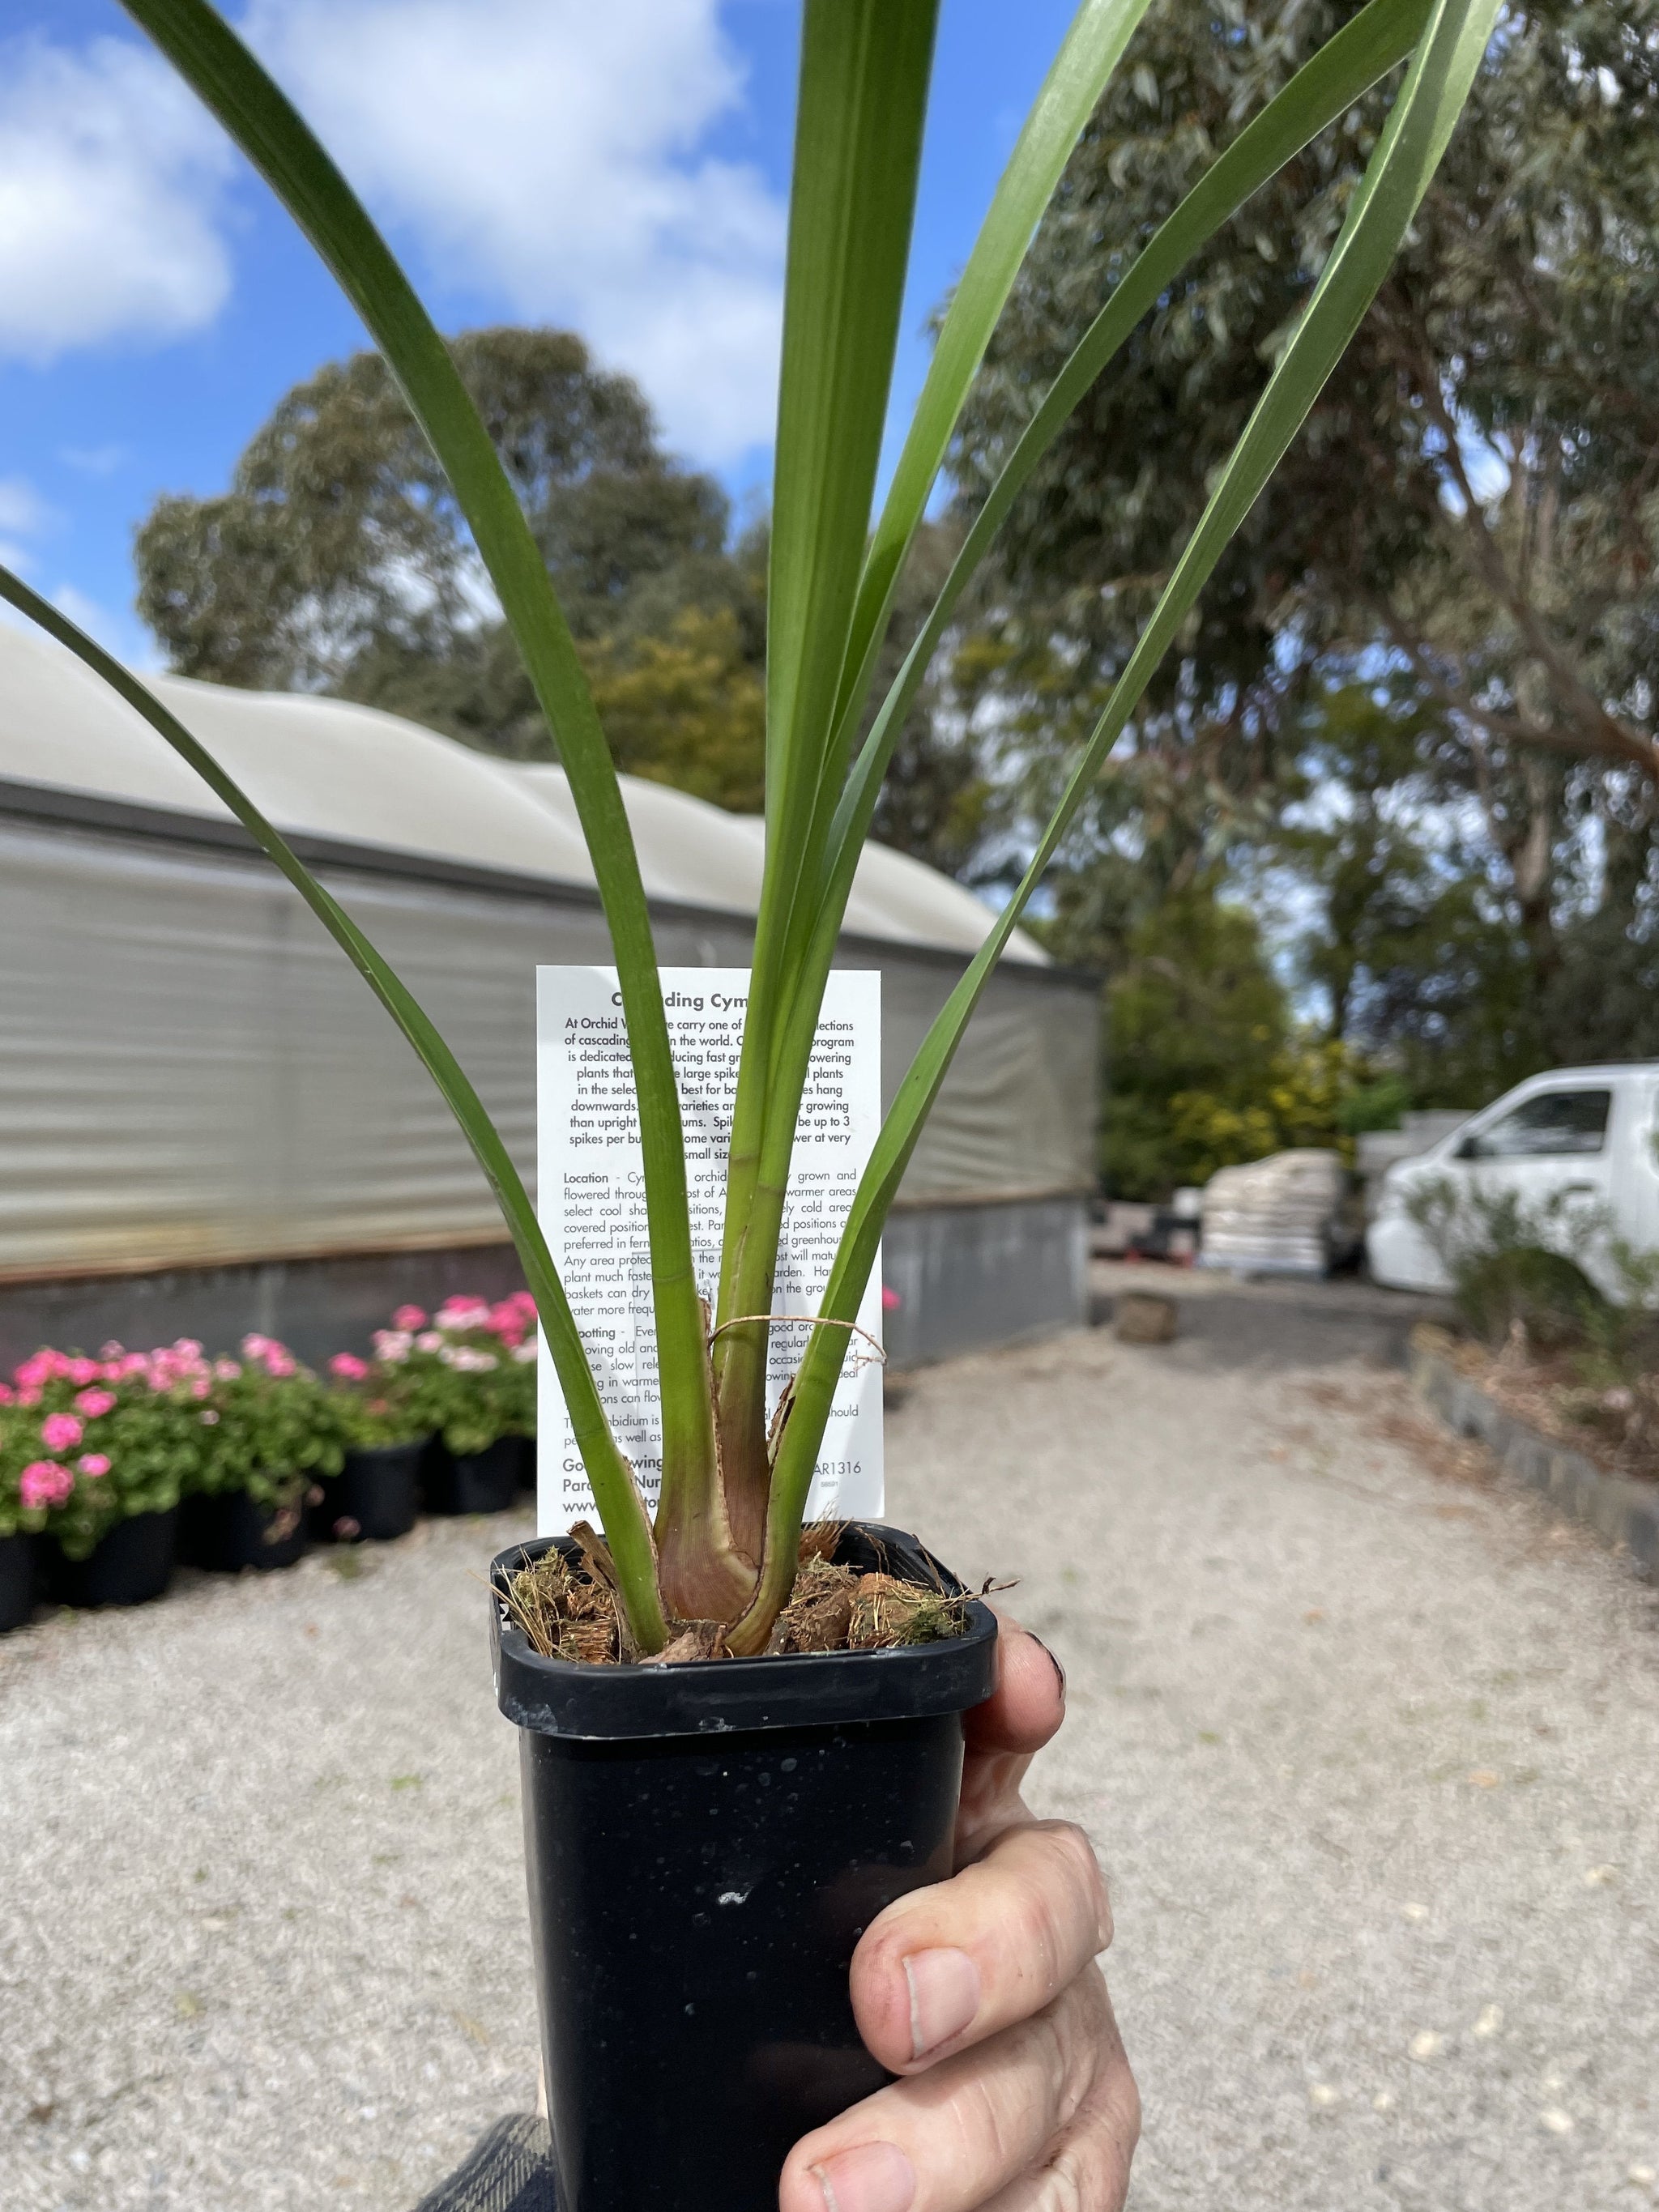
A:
[1276,1216]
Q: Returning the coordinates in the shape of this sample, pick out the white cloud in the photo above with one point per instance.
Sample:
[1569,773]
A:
[23,510]
[546,152]
[109,173]
[23,515]
[94,461]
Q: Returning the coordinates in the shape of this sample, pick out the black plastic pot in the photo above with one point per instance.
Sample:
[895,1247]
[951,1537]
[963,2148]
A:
[16,1581]
[129,1566]
[228,1532]
[473,1482]
[375,1496]
[706,1843]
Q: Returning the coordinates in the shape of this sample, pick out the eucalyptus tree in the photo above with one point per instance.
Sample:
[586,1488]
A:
[1475,498]
[340,560]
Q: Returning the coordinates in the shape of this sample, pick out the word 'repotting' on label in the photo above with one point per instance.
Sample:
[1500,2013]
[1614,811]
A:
[591,1201]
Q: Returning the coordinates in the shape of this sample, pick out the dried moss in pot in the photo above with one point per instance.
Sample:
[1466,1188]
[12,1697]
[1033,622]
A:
[566,1602]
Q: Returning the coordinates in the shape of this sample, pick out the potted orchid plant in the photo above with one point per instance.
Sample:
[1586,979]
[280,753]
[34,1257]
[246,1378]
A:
[810,1783]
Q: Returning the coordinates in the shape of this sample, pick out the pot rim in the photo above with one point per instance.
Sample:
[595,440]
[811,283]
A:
[719,1697]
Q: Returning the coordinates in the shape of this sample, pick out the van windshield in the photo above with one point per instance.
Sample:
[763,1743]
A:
[1554,1122]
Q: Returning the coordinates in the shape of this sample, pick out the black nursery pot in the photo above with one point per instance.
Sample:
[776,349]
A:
[375,1496]
[706,1843]
[16,1581]
[228,1532]
[129,1566]
[486,1481]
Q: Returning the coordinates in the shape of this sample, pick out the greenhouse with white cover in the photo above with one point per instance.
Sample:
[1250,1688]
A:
[208,1125]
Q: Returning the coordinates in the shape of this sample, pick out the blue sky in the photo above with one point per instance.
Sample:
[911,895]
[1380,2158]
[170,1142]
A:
[619,169]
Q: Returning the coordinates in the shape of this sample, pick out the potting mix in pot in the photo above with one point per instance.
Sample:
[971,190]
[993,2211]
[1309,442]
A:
[740,1742]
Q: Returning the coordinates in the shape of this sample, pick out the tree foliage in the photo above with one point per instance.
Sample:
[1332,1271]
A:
[1418,696]
[339,562]
[1206,1065]
[939,801]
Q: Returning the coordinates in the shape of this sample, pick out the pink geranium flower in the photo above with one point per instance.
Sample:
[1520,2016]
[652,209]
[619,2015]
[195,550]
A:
[94,1402]
[60,1431]
[274,1358]
[7,1394]
[463,1312]
[509,1320]
[43,1482]
[94,1463]
[348,1367]
[410,1317]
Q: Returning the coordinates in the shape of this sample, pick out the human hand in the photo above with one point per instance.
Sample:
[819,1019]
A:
[981,1992]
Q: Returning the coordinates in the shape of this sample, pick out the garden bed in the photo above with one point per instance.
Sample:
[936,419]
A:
[1522,1410]
[1548,1394]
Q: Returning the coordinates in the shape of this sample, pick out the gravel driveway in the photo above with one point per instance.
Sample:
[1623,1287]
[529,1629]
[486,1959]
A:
[1366,1743]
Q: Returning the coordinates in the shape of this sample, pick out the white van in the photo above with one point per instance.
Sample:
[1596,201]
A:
[1582,1137]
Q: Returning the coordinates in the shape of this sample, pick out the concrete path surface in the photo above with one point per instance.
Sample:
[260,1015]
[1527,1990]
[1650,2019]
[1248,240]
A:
[1367,1744]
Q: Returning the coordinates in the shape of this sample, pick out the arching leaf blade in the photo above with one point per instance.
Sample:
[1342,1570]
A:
[1090,51]
[1353,59]
[281,145]
[863,95]
[621,1507]
[1397,176]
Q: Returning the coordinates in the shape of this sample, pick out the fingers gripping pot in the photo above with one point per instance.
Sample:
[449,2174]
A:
[706,1843]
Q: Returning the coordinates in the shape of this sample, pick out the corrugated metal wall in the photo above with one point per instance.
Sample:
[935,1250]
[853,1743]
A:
[191,1074]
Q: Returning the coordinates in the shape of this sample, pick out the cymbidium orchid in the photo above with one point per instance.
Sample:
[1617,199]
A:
[724,1542]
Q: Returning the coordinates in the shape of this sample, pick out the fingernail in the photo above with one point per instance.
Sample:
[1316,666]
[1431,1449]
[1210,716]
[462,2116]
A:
[1060,1672]
[875,2178]
[945,1994]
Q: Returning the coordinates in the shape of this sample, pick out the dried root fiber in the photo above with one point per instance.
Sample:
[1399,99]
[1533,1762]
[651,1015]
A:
[568,1608]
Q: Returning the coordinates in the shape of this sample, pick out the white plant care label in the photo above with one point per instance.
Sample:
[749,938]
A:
[592,1205]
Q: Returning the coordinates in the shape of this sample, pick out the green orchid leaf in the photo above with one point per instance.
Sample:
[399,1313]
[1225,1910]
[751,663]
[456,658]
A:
[1090,51]
[277,140]
[1397,176]
[627,1526]
[1376,41]
[863,94]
